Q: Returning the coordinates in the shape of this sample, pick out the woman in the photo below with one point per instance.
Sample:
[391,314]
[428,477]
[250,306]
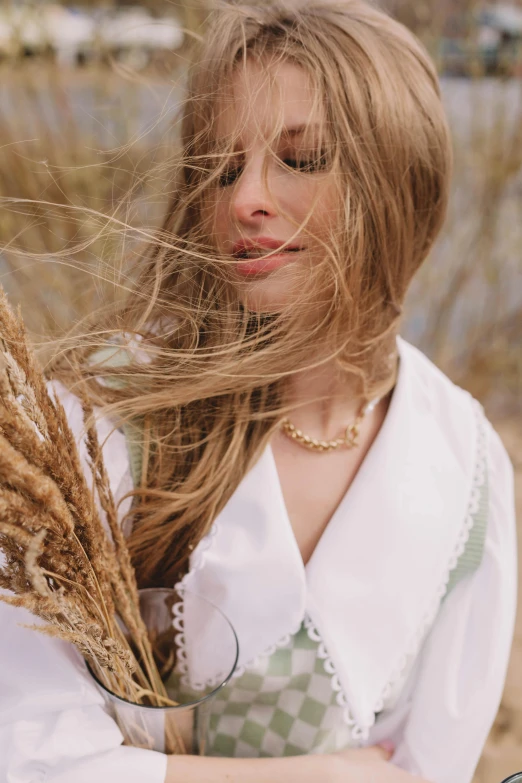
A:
[309,470]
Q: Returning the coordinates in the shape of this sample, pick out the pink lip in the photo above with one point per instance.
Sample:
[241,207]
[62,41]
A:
[256,266]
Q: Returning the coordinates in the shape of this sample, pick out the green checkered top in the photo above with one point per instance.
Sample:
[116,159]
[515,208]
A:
[283,705]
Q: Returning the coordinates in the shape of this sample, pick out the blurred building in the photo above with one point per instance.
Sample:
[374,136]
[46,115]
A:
[76,35]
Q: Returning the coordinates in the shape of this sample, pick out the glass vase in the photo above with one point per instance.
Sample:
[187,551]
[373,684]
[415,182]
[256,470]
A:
[185,727]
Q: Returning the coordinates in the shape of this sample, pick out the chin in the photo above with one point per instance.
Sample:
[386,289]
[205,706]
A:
[261,297]
[271,294]
[259,304]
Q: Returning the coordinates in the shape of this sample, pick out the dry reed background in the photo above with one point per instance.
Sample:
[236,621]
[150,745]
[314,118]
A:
[81,138]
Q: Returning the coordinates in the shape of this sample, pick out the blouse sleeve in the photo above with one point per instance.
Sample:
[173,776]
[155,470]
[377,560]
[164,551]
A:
[463,668]
[53,726]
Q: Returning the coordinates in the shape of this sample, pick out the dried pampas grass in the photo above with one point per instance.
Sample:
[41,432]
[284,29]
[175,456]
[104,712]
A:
[60,562]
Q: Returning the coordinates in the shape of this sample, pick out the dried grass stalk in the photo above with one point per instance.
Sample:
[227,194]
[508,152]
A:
[60,563]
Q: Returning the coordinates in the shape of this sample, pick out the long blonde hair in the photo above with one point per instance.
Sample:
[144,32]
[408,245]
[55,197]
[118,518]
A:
[211,392]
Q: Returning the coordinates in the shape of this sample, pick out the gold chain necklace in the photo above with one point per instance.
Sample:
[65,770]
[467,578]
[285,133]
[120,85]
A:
[349,440]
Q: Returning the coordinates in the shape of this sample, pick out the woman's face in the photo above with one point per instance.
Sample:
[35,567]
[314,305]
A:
[276,182]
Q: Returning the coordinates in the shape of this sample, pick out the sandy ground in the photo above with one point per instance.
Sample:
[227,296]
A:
[503,753]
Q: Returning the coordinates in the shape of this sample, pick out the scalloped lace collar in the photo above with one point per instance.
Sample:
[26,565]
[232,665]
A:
[374,582]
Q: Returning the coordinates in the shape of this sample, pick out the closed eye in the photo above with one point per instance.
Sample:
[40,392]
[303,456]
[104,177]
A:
[229,176]
[299,163]
[306,164]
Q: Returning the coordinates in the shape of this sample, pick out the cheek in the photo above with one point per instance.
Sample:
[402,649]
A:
[329,215]
[294,195]
[216,218]
[321,204]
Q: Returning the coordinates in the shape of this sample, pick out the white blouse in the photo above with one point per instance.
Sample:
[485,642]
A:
[372,589]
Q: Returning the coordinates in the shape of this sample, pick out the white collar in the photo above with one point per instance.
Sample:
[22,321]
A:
[374,582]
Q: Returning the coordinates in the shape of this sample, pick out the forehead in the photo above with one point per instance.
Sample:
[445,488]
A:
[265,98]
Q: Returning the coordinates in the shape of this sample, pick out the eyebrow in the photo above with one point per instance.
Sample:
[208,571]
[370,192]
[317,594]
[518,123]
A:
[297,130]
[294,131]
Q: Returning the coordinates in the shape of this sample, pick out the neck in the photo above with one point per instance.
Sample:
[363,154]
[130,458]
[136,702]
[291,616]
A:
[323,402]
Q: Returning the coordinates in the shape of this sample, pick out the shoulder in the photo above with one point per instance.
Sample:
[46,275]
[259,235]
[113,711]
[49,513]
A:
[447,401]
[460,419]
[447,415]
[429,380]
[458,414]
[465,427]
[112,441]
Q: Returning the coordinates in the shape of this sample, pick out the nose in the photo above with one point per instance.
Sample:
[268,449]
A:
[252,202]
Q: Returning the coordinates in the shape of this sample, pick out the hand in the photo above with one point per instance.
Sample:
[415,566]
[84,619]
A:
[368,765]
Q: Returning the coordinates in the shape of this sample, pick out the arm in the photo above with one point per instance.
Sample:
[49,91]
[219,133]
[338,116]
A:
[197,769]
[464,663]
[366,765]
[53,728]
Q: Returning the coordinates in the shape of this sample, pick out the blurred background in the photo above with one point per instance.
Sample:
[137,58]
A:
[88,98]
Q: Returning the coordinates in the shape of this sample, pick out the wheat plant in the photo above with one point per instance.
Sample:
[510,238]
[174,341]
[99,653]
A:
[59,560]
